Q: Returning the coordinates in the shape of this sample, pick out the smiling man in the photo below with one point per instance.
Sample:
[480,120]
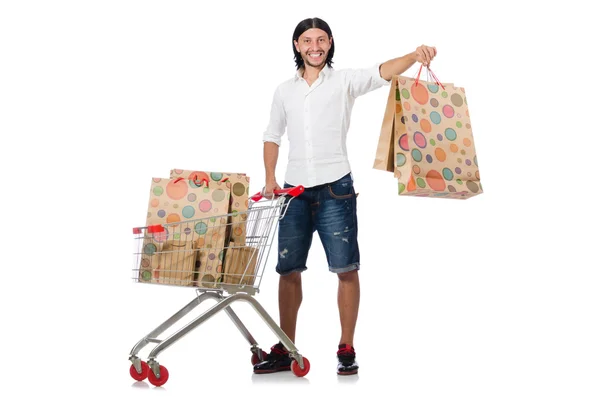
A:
[315,107]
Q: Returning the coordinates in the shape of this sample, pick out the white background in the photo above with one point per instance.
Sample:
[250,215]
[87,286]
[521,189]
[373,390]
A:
[494,296]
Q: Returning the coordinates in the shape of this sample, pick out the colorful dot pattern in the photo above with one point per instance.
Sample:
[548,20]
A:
[239,188]
[238,185]
[434,150]
[189,213]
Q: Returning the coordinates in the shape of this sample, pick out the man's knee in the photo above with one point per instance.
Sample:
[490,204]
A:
[348,276]
[292,278]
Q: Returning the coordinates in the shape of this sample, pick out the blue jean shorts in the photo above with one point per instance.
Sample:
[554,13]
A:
[329,209]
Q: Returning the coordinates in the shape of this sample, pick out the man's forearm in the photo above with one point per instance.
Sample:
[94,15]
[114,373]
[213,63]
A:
[397,66]
[271,152]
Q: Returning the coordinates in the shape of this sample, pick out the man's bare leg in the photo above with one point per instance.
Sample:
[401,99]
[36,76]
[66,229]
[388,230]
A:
[348,302]
[290,298]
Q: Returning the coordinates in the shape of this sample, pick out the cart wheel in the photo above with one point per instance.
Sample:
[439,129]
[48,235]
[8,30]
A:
[256,360]
[299,371]
[139,377]
[164,376]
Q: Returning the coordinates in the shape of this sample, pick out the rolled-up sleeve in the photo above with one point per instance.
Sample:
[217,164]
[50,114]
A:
[277,122]
[363,81]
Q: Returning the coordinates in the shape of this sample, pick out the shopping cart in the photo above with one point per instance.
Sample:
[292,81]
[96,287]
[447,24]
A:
[201,254]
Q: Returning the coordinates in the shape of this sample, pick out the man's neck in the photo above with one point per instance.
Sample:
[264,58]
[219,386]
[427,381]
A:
[310,74]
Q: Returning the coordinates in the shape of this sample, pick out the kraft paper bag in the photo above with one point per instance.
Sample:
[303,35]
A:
[175,263]
[384,156]
[239,186]
[240,265]
[192,214]
[433,153]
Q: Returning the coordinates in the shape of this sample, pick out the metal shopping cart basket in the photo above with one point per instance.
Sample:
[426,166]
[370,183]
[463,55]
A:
[218,269]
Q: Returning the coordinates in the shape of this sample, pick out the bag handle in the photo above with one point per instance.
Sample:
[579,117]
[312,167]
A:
[195,181]
[430,74]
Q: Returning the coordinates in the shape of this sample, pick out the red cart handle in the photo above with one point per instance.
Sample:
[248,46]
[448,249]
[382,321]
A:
[150,228]
[292,191]
[156,229]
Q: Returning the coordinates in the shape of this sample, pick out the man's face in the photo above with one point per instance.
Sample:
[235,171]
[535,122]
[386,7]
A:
[313,45]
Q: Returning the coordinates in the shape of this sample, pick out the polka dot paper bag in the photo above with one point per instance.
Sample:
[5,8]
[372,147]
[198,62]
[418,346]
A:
[239,187]
[427,141]
[168,261]
[189,213]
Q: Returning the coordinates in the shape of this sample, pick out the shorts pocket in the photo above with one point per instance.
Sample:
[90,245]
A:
[342,189]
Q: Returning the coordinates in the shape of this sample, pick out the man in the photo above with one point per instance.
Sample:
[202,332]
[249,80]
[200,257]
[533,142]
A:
[315,106]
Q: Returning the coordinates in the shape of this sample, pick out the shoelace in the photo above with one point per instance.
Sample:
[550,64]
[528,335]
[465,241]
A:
[277,351]
[346,351]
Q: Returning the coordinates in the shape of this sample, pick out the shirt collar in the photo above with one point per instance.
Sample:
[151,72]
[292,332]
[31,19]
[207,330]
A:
[326,71]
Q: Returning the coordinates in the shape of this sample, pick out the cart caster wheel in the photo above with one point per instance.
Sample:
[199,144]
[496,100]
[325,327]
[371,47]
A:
[256,360]
[299,371]
[139,377]
[164,376]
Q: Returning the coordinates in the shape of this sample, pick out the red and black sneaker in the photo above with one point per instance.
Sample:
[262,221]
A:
[277,360]
[347,364]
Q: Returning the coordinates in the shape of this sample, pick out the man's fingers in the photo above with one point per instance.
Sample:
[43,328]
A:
[425,56]
[268,190]
[431,53]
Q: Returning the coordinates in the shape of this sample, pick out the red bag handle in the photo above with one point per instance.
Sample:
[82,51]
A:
[430,72]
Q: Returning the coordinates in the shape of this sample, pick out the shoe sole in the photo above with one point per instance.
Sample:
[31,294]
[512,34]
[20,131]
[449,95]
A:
[348,373]
[272,371]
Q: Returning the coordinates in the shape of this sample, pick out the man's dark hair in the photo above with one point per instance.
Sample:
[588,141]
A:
[302,27]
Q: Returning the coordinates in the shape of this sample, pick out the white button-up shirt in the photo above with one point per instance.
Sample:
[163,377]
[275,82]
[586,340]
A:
[317,118]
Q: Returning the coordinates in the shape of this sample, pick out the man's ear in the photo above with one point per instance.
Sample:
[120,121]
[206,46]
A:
[296,45]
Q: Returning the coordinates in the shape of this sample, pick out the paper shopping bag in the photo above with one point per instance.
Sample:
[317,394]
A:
[385,154]
[434,151]
[192,214]
[240,265]
[170,262]
[176,263]
[239,187]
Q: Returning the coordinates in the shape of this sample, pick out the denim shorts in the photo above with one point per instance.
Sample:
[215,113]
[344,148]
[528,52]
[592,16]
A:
[329,209]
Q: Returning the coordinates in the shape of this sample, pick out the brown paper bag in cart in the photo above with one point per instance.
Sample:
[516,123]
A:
[239,186]
[176,263]
[240,265]
[192,214]
[170,262]
[433,152]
